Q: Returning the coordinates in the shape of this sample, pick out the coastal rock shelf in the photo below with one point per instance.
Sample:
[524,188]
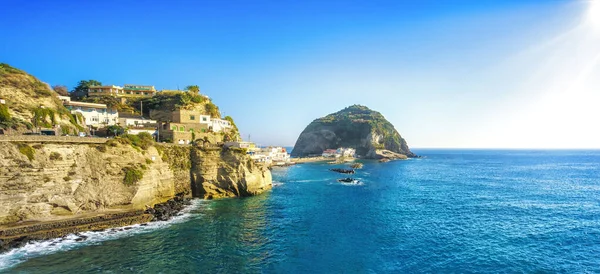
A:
[17,236]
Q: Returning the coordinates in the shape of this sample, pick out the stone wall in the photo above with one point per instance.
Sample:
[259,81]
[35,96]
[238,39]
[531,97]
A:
[52,139]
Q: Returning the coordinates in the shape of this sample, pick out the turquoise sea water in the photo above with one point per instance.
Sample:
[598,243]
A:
[455,211]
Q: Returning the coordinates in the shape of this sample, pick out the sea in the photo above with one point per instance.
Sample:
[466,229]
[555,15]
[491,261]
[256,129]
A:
[452,211]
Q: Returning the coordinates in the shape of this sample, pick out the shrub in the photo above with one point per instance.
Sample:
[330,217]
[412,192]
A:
[27,151]
[148,161]
[55,156]
[101,148]
[132,175]
[4,114]
[47,179]
[143,140]
[67,178]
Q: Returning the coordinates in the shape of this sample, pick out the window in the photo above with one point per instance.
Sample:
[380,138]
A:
[181,128]
[192,117]
[204,119]
[174,128]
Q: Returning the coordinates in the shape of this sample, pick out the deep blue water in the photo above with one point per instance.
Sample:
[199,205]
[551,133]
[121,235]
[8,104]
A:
[455,211]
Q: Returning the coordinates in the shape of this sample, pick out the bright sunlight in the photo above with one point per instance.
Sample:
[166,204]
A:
[594,13]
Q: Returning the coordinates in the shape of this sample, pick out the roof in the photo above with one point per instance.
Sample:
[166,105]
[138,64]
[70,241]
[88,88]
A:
[132,116]
[111,86]
[83,104]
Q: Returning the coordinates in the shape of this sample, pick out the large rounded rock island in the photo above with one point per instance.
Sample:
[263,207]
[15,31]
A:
[356,127]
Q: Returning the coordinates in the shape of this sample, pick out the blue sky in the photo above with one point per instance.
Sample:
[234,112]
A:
[451,73]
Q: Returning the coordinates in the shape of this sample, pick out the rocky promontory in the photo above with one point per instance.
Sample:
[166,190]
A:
[356,127]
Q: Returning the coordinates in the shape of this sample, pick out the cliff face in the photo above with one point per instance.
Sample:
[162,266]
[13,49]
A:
[219,173]
[48,181]
[356,127]
[65,179]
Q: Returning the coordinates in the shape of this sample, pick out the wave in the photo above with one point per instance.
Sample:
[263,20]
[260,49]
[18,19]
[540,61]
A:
[307,181]
[73,241]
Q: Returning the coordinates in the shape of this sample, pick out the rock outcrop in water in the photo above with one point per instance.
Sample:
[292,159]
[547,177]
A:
[356,127]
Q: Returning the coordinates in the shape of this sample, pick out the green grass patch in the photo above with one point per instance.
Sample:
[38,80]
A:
[27,151]
[132,175]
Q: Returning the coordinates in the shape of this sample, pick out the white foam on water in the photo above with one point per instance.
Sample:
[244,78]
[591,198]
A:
[69,242]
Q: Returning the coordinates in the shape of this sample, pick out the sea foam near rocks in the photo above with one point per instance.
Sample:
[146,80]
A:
[74,241]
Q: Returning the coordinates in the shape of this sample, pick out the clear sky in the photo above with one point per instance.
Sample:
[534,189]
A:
[452,73]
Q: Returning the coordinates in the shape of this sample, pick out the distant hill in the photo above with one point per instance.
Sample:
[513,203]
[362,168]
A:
[31,102]
[356,127]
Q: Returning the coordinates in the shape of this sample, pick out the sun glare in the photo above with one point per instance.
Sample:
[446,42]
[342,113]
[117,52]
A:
[594,13]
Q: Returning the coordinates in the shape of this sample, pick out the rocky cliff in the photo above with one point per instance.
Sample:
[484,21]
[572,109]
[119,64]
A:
[356,127]
[222,173]
[45,181]
[42,182]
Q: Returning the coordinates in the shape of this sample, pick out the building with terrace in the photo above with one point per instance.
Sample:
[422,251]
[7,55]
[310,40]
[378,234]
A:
[181,126]
[139,90]
[112,90]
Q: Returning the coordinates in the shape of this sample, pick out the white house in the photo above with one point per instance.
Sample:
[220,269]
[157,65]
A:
[129,120]
[219,125]
[271,155]
[346,152]
[2,102]
[135,131]
[96,115]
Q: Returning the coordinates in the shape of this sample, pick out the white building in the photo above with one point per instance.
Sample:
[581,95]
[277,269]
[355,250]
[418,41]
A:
[2,102]
[129,120]
[136,131]
[345,152]
[219,125]
[340,152]
[271,155]
[96,115]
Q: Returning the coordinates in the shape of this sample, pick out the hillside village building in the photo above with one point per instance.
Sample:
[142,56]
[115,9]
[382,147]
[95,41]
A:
[270,155]
[139,90]
[95,115]
[186,123]
[125,91]
[340,152]
[112,90]
[138,121]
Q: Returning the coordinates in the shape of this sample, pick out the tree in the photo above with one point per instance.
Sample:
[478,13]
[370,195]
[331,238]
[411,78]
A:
[61,90]
[193,88]
[116,130]
[81,90]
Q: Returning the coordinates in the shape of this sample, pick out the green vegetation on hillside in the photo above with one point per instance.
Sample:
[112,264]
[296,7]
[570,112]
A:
[30,101]
[132,175]
[174,100]
[27,151]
